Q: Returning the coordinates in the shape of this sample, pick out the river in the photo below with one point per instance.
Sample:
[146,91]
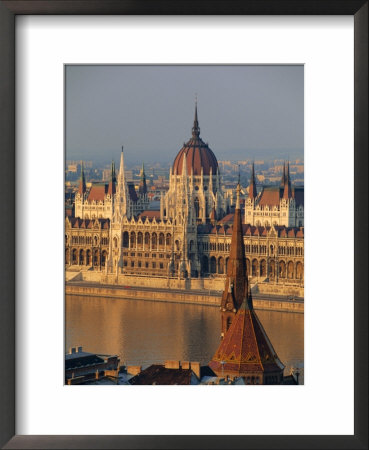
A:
[144,332]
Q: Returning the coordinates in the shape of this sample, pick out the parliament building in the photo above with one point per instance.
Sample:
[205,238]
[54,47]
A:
[114,234]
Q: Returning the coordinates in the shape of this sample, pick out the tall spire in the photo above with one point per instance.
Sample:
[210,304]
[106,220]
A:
[82,182]
[195,128]
[121,205]
[238,193]
[245,350]
[142,189]
[252,187]
[283,180]
[287,192]
[111,187]
[236,288]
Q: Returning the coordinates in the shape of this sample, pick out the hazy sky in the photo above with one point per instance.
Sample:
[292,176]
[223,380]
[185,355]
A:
[244,111]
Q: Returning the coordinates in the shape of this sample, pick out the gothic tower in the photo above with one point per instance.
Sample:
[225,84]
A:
[236,285]
[245,350]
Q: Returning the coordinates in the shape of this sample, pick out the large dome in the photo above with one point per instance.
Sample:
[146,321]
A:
[198,155]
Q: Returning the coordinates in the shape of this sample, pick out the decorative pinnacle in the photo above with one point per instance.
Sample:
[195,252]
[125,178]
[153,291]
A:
[238,195]
[196,128]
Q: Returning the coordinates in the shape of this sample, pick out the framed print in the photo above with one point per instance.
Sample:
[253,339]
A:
[87,76]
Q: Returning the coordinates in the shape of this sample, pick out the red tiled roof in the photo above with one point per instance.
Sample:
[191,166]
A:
[245,348]
[150,214]
[270,197]
[227,219]
[97,193]
[198,155]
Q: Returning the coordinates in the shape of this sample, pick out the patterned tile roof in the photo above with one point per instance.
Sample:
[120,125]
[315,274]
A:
[245,348]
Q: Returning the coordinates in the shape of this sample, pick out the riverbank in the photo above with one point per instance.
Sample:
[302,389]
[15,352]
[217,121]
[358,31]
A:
[261,301]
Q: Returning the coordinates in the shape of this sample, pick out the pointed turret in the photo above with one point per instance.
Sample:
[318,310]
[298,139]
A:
[287,192]
[236,285]
[121,203]
[111,187]
[142,189]
[82,182]
[245,350]
[283,179]
[252,187]
[195,128]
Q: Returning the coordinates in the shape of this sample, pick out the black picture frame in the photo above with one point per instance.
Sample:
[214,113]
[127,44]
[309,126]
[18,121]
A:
[8,11]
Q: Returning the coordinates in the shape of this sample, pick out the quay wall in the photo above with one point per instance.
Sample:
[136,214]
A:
[265,288]
[188,297]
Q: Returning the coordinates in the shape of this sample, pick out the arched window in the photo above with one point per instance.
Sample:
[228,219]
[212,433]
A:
[205,264]
[88,257]
[254,268]
[115,240]
[290,269]
[74,256]
[103,258]
[161,239]
[220,265]
[282,269]
[299,271]
[263,268]
[147,238]
[168,240]
[81,257]
[133,239]
[154,240]
[229,323]
[139,238]
[213,264]
[125,239]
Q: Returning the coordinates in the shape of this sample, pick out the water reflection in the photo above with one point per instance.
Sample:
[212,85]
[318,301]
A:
[143,332]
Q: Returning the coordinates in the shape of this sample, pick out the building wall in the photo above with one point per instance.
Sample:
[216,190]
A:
[148,248]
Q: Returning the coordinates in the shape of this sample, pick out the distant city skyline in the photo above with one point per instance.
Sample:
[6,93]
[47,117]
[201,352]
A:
[244,111]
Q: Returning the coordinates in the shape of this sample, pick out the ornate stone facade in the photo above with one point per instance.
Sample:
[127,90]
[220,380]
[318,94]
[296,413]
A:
[275,205]
[190,237]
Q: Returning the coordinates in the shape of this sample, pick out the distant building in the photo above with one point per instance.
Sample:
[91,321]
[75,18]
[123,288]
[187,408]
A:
[275,205]
[99,201]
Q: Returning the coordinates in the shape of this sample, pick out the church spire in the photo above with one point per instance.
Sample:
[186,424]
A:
[111,187]
[236,289]
[252,187]
[245,350]
[121,190]
[82,182]
[142,189]
[287,193]
[195,128]
[283,180]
